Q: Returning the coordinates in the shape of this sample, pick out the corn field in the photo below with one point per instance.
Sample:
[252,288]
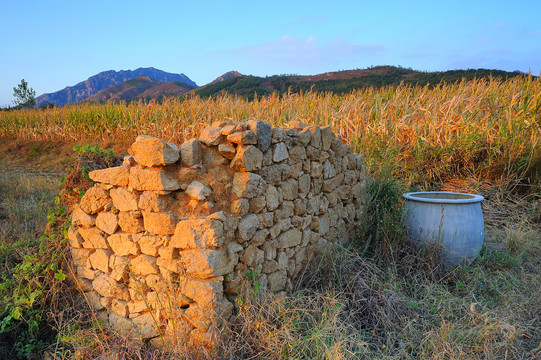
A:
[489,129]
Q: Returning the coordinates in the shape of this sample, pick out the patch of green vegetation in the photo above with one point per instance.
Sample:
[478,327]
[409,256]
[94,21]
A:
[32,278]
[247,86]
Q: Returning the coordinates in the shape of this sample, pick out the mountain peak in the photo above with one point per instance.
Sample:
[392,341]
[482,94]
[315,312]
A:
[105,79]
[227,75]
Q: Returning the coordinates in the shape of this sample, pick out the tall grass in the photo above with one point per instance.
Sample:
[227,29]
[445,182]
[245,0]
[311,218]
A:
[479,128]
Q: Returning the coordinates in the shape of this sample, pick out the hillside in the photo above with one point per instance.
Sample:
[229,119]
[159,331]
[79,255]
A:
[127,90]
[226,76]
[342,81]
[103,80]
[172,88]
[142,87]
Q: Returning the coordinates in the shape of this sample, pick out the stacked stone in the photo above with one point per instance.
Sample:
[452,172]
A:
[160,245]
[296,191]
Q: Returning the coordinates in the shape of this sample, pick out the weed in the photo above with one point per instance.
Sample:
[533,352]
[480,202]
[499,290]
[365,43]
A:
[382,233]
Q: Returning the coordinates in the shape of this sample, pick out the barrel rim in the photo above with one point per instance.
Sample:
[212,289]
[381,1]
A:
[443,197]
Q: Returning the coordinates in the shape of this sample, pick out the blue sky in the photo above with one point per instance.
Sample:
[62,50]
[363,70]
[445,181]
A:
[54,44]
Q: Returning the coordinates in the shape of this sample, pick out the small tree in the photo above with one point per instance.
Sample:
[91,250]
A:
[24,95]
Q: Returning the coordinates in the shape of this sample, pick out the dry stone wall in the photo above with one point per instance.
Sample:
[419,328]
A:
[161,244]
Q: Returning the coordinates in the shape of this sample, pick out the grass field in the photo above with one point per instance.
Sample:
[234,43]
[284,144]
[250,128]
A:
[480,129]
[480,136]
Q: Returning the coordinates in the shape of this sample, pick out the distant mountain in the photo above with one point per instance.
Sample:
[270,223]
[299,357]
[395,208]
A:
[103,80]
[226,76]
[146,88]
[172,88]
[341,81]
[129,89]
[142,87]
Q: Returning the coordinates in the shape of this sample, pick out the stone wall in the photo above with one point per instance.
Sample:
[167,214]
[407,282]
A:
[161,244]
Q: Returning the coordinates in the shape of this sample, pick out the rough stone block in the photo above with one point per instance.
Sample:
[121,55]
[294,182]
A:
[119,267]
[146,326]
[315,140]
[94,199]
[105,286]
[211,136]
[191,153]
[280,152]
[130,222]
[144,179]
[292,237]
[332,183]
[240,207]
[273,197]
[119,307]
[206,263]
[150,245]
[207,292]
[290,189]
[86,273]
[248,185]
[159,223]
[123,245]
[144,265]
[247,158]
[75,240]
[93,300]
[327,136]
[248,225]
[169,269]
[257,204]
[297,154]
[99,260]
[212,157]
[253,256]
[197,234]
[123,199]
[107,222]
[152,201]
[150,151]
[227,151]
[81,218]
[243,138]
[93,238]
[198,190]
[118,176]
[263,131]
[277,281]
[80,257]
[138,306]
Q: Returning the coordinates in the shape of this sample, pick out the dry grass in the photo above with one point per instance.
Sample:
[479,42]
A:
[480,129]
[24,203]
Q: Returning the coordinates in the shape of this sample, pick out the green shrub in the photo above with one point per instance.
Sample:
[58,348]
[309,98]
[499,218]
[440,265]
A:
[382,234]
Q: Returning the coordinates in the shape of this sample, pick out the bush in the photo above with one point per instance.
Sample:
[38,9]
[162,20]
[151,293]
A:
[382,234]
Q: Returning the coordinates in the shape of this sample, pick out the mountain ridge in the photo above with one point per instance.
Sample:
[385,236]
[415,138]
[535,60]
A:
[124,87]
[104,79]
[344,81]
